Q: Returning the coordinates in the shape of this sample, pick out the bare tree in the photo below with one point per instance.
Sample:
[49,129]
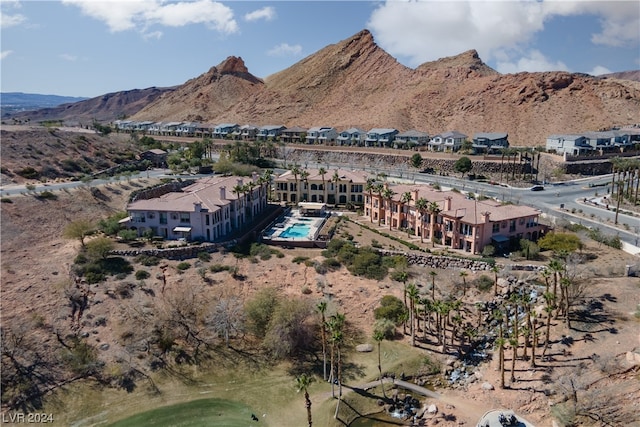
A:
[227,317]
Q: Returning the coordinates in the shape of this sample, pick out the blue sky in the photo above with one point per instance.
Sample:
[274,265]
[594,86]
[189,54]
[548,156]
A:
[90,48]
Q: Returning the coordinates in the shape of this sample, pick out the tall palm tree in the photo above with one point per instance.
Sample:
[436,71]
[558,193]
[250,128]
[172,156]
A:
[296,172]
[406,198]
[413,294]
[434,210]
[378,336]
[303,381]
[335,179]
[433,275]
[513,342]
[387,195]
[495,270]
[464,275]
[322,171]
[369,187]
[335,325]
[422,206]
[379,188]
[322,308]
[267,177]
[304,176]
[500,342]
[549,298]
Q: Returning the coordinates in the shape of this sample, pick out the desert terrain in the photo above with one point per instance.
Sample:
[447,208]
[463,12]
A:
[591,365]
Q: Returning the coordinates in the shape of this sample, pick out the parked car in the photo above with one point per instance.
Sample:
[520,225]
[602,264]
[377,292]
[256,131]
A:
[537,188]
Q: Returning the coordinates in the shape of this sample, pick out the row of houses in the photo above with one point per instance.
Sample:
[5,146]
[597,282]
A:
[450,141]
[211,209]
[593,142]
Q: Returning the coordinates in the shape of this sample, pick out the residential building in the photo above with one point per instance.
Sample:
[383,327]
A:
[204,130]
[169,128]
[334,187]
[410,139]
[156,156]
[322,135]
[293,135]
[452,219]
[380,137]
[352,136]
[450,141]
[245,133]
[484,142]
[574,145]
[269,132]
[186,129]
[208,209]
[225,130]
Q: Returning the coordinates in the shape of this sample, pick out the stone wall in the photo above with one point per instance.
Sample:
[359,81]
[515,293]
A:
[160,190]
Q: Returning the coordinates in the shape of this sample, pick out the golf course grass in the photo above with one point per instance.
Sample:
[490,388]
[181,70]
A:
[203,412]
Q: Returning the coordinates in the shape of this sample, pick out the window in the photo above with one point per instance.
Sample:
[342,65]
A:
[185,218]
[512,225]
[163,217]
[496,227]
[206,219]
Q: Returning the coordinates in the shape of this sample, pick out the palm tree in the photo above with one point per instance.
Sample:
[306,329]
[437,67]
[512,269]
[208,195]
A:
[422,206]
[464,275]
[304,175]
[322,308]
[267,176]
[434,209]
[369,187]
[534,344]
[303,381]
[335,179]
[379,188]
[405,199]
[513,342]
[387,195]
[413,294]
[433,275]
[549,297]
[495,270]
[378,336]
[296,171]
[500,342]
[335,325]
[322,171]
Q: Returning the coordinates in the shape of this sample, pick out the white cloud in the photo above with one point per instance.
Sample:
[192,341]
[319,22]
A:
[5,53]
[285,49]
[267,13]
[533,61]
[424,31]
[68,57]
[128,15]
[152,35]
[10,19]
[599,70]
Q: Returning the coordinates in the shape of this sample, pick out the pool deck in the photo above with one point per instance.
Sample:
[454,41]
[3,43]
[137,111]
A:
[274,234]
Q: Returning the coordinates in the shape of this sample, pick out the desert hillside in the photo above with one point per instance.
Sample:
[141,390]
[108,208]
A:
[356,83]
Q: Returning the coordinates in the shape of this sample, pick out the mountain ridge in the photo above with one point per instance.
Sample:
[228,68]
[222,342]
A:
[355,83]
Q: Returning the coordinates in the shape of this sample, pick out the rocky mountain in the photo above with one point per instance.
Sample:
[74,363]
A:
[356,83]
[103,108]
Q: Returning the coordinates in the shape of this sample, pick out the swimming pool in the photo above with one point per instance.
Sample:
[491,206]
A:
[298,229]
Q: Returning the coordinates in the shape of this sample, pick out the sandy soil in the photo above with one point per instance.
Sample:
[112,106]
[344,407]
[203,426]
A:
[35,272]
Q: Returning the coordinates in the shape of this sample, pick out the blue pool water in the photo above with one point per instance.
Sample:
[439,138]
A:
[296,230]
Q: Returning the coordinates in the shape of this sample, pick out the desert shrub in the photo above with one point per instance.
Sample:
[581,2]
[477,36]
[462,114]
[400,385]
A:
[142,274]
[28,173]
[488,251]
[147,260]
[128,235]
[391,308]
[46,195]
[124,290]
[484,283]
[300,259]
[183,266]
[6,200]
[259,310]
[110,226]
[216,268]
[204,256]
[332,264]
[386,326]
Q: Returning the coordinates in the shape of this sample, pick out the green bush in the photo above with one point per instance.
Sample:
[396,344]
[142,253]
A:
[484,283]
[147,260]
[391,308]
[332,264]
[300,259]
[216,268]
[142,274]
[204,256]
[46,195]
[183,266]
[128,235]
[6,200]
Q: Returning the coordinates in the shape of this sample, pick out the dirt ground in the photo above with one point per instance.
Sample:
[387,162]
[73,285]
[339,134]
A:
[35,273]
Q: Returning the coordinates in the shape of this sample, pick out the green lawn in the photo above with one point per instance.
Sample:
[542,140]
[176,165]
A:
[203,412]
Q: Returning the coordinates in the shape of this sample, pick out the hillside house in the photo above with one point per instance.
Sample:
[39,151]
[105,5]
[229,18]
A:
[321,135]
[380,137]
[204,130]
[225,130]
[352,136]
[484,142]
[209,209]
[293,135]
[454,220]
[574,145]
[269,132]
[450,141]
[245,133]
[410,139]
[156,156]
[187,129]
[335,187]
